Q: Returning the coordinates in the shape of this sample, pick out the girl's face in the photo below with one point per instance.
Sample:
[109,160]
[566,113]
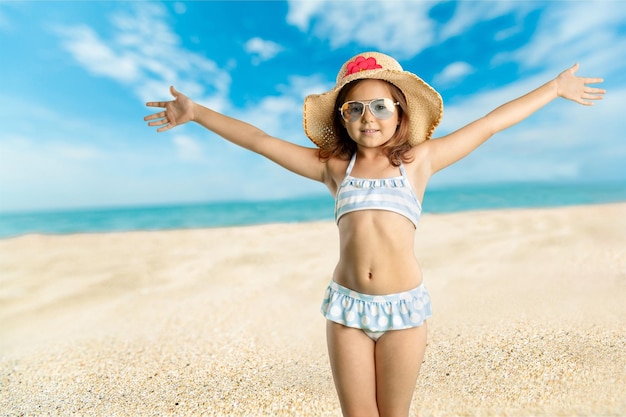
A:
[367,130]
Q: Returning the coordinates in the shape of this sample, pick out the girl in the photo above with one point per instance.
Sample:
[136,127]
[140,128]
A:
[373,152]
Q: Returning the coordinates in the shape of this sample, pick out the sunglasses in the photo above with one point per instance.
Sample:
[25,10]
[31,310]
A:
[381,108]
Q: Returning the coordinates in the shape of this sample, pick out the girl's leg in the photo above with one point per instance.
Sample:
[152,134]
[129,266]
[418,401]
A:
[352,355]
[399,356]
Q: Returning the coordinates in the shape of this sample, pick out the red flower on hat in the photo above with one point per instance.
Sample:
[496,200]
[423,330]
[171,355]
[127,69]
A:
[362,64]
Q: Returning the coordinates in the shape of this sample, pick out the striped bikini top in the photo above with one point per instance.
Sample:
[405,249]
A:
[390,194]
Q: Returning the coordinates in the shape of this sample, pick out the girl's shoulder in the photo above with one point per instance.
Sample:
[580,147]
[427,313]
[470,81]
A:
[417,157]
[337,165]
[335,172]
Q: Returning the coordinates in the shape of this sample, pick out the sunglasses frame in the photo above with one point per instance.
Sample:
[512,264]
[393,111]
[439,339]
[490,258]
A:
[368,104]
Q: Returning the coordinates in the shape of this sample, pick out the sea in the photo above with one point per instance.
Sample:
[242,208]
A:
[303,209]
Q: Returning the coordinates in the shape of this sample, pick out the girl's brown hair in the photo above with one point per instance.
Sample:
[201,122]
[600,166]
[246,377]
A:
[396,149]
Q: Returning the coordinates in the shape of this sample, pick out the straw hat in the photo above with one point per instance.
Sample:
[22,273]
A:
[424,103]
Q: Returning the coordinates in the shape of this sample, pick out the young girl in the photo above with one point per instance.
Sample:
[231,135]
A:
[373,152]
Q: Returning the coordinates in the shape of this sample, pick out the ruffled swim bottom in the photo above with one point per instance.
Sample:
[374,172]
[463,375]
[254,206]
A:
[376,314]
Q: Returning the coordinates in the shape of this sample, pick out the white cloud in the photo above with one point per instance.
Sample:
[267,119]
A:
[402,29]
[97,57]
[300,87]
[145,54]
[566,32]
[301,12]
[262,50]
[469,13]
[581,31]
[453,74]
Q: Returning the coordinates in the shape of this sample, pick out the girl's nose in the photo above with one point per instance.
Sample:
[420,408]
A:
[367,115]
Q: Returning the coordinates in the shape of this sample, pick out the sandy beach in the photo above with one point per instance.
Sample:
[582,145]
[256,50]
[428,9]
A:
[529,318]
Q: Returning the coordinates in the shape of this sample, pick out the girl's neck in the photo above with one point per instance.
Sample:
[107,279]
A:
[373,163]
[372,155]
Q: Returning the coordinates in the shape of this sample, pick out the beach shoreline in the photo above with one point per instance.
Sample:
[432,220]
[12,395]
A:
[529,318]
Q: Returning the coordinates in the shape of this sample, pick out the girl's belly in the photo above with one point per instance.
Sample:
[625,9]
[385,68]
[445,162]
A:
[377,253]
[377,279]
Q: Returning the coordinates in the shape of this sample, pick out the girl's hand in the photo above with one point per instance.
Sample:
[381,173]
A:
[575,88]
[177,111]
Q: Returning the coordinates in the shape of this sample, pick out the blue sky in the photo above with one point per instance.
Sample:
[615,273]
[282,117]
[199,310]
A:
[76,75]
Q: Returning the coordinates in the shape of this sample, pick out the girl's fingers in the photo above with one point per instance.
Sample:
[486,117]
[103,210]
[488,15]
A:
[595,90]
[593,80]
[591,97]
[164,128]
[159,115]
[161,119]
[593,93]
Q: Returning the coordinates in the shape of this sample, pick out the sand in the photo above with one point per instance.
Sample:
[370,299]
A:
[529,318]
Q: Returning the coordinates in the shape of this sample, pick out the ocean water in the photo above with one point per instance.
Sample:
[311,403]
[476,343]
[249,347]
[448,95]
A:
[223,214]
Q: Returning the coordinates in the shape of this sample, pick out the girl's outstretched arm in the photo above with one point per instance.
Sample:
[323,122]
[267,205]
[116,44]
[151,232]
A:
[298,159]
[451,148]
